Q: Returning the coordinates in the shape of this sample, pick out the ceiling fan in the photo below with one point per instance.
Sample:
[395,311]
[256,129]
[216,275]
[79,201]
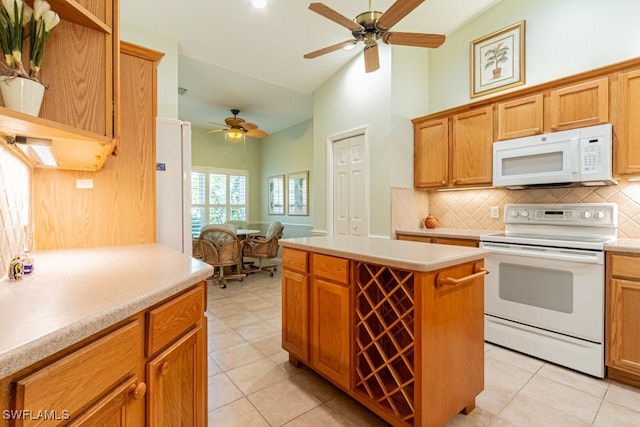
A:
[372,26]
[236,127]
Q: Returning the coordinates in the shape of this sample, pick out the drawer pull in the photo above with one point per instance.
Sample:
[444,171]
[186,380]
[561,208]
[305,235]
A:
[138,390]
[164,368]
[450,281]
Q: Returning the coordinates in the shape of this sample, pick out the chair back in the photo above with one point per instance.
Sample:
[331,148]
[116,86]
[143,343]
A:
[219,245]
[275,230]
[238,224]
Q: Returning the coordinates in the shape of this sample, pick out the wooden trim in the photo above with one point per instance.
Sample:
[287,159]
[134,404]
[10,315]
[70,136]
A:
[140,51]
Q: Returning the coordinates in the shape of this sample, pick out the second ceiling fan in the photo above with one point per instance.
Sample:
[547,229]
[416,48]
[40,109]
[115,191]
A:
[236,127]
[372,26]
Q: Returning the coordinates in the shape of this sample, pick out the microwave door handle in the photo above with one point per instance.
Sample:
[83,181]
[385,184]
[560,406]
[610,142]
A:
[575,151]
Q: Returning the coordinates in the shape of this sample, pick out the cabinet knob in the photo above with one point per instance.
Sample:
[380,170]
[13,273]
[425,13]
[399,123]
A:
[538,130]
[164,368]
[554,127]
[138,390]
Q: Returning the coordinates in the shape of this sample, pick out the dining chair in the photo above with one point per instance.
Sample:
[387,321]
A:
[219,246]
[263,248]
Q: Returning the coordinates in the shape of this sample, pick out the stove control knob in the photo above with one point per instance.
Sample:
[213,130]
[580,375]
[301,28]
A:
[524,214]
[586,215]
[599,215]
[514,213]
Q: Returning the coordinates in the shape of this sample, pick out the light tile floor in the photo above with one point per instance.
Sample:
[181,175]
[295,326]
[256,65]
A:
[251,382]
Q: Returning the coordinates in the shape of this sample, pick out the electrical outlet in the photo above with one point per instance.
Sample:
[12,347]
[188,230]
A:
[495,212]
[84,183]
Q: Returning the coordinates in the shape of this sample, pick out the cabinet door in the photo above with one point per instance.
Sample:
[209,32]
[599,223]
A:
[431,154]
[472,147]
[114,409]
[521,117]
[295,313]
[330,331]
[177,387]
[580,105]
[626,127]
[624,325]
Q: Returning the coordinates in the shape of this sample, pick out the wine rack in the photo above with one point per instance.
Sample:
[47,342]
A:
[384,335]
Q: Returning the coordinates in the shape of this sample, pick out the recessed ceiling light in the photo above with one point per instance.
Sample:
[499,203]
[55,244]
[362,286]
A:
[259,3]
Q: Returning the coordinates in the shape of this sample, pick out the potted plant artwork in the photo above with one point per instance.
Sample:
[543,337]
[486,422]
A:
[22,90]
[496,56]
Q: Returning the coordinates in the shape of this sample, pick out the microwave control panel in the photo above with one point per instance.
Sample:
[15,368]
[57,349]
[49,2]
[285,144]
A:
[591,150]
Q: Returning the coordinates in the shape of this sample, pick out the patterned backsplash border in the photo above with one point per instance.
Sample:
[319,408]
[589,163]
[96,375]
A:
[470,209]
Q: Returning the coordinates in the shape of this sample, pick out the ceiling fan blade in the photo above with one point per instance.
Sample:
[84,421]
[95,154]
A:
[329,49]
[371,59]
[414,39]
[216,130]
[336,17]
[247,125]
[257,133]
[396,12]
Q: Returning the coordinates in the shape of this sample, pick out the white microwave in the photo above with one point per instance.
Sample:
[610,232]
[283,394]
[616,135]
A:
[559,159]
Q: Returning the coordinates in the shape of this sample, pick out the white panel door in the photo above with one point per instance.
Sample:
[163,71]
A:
[349,186]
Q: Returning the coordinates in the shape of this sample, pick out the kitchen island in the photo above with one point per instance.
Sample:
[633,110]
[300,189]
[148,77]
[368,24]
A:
[92,336]
[398,325]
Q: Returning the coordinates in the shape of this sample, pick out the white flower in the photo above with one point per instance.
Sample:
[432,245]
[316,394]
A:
[9,6]
[51,19]
[39,8]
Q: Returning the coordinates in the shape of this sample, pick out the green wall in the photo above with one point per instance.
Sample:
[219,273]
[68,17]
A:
[563,37]
[213,151]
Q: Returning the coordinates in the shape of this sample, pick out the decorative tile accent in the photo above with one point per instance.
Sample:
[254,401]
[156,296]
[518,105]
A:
[469,209]
[15,197]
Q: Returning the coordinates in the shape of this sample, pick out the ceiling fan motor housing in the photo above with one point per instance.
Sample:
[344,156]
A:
[368,20]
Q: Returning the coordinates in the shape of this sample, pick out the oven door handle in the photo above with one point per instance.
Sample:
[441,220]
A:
[546,253]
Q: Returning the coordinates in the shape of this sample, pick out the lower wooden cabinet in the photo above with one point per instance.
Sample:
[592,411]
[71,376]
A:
[111,380]
[408,345]
[330,330]
[175,383]
[623,318]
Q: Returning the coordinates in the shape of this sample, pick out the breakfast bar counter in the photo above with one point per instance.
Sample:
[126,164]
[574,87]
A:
[398,325]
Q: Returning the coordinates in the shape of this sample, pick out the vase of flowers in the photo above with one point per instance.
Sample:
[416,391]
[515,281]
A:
[21,89]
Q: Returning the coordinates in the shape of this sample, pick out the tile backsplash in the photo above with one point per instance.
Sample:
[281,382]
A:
[469,209]
[15,200]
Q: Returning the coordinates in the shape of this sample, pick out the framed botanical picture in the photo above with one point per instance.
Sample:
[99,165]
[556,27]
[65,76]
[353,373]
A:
[298,193]
[275,187]
[498,60]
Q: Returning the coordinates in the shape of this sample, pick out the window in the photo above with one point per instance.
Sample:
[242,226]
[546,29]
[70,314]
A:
[217,195]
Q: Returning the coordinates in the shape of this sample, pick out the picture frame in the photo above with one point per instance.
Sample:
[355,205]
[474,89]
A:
[498,60]
[298,193]
[275,189]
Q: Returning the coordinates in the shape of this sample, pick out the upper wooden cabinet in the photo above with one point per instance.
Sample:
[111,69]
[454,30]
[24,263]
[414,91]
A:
[460,156]
[431,153]
[579,105]
[79,111]
[610,94]
[521,117]
[472,147]
[626,127]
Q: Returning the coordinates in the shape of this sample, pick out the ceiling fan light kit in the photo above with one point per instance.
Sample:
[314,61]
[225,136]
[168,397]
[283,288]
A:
[236,128]
[372,26]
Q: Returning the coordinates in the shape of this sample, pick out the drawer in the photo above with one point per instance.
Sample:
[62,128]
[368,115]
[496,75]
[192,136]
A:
[625,266]
[455,242]
[82,377]
[293,259]
[330,267]
[174,318]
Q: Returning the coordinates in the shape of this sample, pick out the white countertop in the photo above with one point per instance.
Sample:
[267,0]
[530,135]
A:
[75,293]
[416,256]
[624,245]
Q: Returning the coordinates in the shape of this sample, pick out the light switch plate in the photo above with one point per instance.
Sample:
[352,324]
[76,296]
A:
[495,212]
[84,183]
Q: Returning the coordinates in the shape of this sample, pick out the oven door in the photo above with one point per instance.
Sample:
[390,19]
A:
[559,290]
